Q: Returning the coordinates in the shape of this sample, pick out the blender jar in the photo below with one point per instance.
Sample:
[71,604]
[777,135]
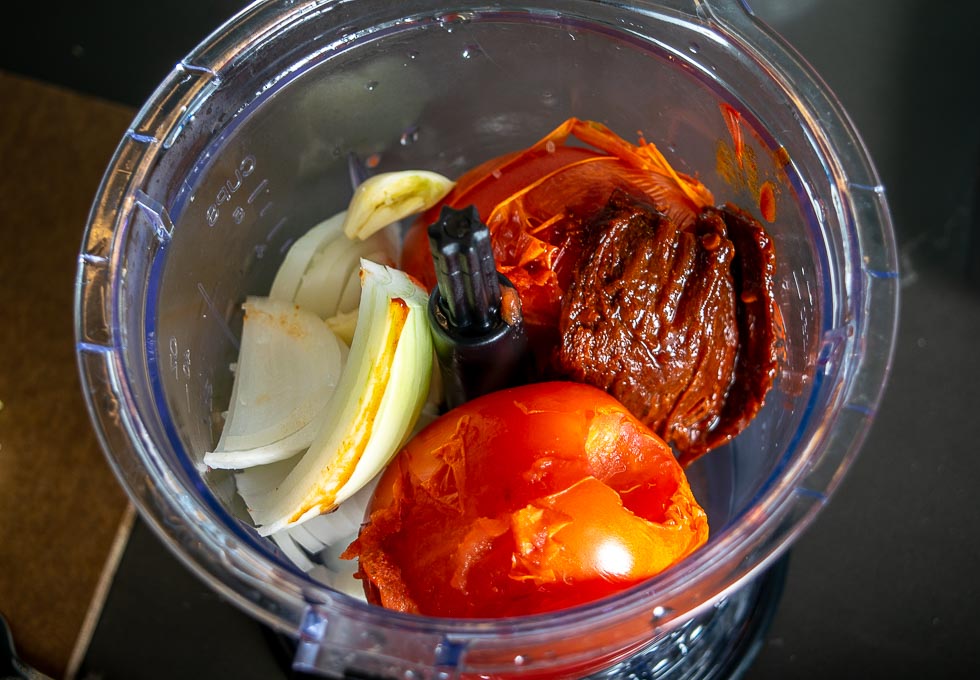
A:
[248,143]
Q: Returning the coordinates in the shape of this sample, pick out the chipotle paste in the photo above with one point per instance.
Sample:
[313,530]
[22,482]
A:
[675,322]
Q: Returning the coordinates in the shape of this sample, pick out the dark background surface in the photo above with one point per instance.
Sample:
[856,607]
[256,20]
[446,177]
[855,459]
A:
[884,584]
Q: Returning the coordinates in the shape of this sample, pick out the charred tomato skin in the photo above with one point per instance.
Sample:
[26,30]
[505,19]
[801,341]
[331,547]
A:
[524,501]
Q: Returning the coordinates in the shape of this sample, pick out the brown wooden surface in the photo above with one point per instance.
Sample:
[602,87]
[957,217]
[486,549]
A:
[60,505]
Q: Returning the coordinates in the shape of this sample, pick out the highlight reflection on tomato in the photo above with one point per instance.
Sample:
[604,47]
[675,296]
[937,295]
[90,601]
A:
[523,501]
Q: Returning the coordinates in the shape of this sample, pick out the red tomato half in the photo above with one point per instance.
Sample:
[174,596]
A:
[523,501]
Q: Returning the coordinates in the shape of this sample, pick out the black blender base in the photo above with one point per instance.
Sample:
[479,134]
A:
[720,644]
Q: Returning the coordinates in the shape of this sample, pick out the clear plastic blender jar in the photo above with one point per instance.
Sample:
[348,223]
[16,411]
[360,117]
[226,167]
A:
[247,144]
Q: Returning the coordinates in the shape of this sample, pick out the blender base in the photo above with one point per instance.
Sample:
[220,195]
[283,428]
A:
[720,644]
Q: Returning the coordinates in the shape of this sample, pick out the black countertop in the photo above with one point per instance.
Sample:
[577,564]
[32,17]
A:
[883,583]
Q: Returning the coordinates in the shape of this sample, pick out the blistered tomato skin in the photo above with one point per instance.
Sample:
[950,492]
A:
[525,501]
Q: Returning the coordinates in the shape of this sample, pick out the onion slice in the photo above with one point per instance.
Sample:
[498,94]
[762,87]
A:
[318,268]
[333,267]
[380,395]
[385,198]
[343,325]
[289,364]
[301,253]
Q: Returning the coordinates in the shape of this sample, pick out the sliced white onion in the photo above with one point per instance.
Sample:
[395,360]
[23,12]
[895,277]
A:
[343,326]
[293,551]
[381,391]
[288,368]
[322,287]
[299,255]
[265,478]
[325,537]
[340,527]
[351,294]
[239,459]
[307,541]
[385,198]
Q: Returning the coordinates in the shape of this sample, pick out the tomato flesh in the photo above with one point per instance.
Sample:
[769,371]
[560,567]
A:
[524,501]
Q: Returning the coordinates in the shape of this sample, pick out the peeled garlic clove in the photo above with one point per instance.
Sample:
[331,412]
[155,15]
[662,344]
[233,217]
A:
[289,364]
[381,392]
[390,196]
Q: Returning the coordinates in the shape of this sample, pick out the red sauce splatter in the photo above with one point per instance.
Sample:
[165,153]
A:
[767,202]
[732,120]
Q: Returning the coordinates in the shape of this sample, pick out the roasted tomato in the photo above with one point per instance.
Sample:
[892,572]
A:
[524,501]
[536,203]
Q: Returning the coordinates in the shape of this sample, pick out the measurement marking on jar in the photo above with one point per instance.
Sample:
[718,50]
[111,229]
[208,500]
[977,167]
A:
[180,361]
[245,168]
[275,230]
[258,190]
[265,209]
